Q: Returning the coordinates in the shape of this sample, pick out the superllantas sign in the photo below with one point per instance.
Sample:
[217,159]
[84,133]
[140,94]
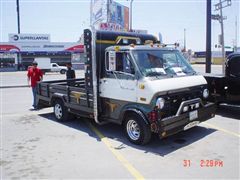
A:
[41,47]
[29,37]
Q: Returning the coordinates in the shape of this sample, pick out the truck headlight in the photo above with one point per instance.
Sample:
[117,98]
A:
[205,93]
[160,103]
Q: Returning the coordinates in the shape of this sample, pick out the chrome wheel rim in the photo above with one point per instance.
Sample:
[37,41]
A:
[58,111]
[133,130]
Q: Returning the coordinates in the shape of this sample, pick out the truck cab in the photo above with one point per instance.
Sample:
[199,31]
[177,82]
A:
[156,83]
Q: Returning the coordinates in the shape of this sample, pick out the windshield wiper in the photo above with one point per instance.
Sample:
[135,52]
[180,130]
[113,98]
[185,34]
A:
[122,73]
[190,72]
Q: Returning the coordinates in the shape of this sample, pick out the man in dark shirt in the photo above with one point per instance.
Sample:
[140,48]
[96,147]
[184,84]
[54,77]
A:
[70,74]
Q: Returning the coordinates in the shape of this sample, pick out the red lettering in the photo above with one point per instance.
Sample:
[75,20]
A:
[186,163]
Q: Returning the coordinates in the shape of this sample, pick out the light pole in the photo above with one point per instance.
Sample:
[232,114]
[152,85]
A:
[208,37]
[18,26]
[18,17]
[131,2]
[184,40]
[91,11]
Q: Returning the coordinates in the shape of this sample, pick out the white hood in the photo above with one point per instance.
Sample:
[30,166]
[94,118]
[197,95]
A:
[163,85]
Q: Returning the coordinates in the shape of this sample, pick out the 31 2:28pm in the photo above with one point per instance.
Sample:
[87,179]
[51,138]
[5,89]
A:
[204,163]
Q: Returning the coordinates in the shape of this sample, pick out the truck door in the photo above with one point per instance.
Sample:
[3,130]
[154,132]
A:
[118,86]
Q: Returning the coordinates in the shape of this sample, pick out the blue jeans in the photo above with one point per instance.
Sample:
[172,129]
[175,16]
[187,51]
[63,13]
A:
[34,91]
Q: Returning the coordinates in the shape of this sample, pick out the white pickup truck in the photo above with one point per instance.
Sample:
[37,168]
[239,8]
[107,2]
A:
[44,63]
[56,68]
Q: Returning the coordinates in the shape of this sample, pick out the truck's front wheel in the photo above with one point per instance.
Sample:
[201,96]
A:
[60,111]
[137,131]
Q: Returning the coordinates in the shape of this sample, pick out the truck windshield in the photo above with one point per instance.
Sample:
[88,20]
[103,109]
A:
[162,62]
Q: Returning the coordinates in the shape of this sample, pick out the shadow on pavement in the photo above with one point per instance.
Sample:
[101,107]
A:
[78,124]
[229,112]
[156,146]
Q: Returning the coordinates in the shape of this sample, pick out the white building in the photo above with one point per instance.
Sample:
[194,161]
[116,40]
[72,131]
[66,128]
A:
[21,49]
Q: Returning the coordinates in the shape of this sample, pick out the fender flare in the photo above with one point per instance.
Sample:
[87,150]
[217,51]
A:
[57,96]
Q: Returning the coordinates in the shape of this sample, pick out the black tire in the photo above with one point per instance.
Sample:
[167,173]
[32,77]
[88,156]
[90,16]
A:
[142,134]
[60,111]
[62,71]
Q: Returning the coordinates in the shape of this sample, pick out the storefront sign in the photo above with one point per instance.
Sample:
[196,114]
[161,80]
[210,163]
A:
[41,47]
[111,27]
[29,37]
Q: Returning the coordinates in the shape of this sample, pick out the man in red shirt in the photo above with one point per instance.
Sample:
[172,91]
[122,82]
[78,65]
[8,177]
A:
[34,75]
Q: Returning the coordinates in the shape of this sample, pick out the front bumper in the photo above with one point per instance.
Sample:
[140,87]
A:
[174,124]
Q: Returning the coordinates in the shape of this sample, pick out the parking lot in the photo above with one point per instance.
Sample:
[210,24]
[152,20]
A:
[35,146]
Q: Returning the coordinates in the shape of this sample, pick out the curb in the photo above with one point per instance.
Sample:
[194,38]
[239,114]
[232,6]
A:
[18,86]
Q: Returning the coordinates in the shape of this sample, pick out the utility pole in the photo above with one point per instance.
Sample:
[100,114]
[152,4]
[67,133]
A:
[222,40]
[219,6]
[208,37]
[18,17]
[18,27]
[131,2]
[131,15]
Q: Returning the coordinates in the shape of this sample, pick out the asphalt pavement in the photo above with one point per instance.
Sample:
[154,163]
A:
[19,78]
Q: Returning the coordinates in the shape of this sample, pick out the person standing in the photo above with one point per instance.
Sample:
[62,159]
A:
[70,74]
[34,75]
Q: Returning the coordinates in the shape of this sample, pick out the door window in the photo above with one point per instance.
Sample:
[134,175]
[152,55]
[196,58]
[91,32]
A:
[119,62]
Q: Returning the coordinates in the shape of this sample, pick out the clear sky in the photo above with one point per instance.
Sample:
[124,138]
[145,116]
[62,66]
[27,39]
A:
[65,20]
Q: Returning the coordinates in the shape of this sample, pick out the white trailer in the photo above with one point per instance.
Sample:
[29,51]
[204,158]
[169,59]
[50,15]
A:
[44,63]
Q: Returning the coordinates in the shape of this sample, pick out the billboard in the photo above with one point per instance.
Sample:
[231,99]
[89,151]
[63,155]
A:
[118,14]
[99,11]
[29,37]
[109,15]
